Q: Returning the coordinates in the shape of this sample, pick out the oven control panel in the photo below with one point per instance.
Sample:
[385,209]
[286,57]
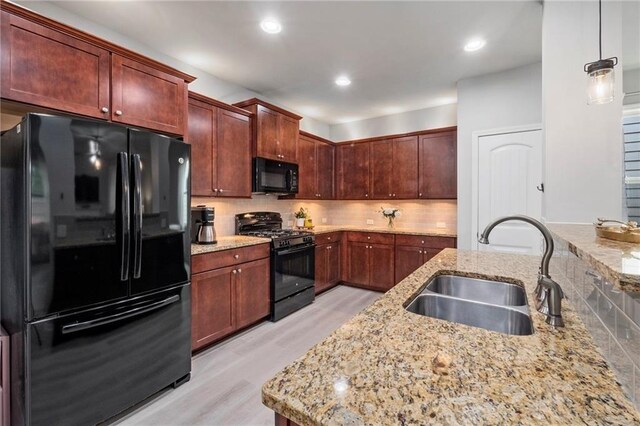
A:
[296,241]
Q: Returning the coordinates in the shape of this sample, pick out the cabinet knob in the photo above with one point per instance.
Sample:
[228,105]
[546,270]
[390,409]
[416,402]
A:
[422,241]
[328,238]
[105,109]
[366,195]
[215,189]
[368,238]
[394,195]
[239,270]
[234,271]
[221,190]
[420,194]
[420,251]
[236,256]
[389,195]
[118,112]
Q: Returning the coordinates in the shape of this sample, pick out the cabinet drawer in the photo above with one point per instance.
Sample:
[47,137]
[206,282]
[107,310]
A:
[424,241]
[330,237]
[371,237]
[220,259]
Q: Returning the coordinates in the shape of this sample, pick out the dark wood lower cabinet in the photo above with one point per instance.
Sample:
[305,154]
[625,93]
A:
[370,265]
[230,298]
[281,420]
[328,258]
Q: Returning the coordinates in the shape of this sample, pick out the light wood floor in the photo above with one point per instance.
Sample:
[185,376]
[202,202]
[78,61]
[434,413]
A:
[226,379]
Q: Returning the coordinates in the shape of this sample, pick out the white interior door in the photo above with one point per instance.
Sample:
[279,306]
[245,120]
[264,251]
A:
[509,170]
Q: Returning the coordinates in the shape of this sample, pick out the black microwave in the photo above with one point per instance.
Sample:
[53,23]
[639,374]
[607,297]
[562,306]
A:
[271,176]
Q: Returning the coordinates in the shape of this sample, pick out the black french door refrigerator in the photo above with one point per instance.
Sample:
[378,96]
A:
[95,267]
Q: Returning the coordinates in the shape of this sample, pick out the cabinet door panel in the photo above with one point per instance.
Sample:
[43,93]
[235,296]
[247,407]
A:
[143,96]
[405,168]
[430,253]
[353,171]
[212,306]
[307,168]
[381,266]
[407,260]
[381,169]
[252,292]
[233,154]
[202,123]
[288,138]
[325,155]
[333,263]
[438,159]
[321,267]
[268,133]
[43,67]
[358,263]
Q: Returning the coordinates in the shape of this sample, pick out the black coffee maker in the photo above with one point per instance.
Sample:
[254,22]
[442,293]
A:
[202,229]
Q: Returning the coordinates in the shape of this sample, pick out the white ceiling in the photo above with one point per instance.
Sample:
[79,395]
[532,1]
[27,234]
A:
[401,56]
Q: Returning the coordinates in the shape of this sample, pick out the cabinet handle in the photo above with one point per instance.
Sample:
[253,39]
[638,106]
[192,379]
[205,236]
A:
[118,112]
[234,271]
[105,109]
[236,256]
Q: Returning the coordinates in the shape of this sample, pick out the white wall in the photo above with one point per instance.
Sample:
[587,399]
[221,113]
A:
[206,84]
[631,84]
[411,121]
[583,143]
[504,99]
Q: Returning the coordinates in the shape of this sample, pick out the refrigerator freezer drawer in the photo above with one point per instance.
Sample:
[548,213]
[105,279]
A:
[88,367]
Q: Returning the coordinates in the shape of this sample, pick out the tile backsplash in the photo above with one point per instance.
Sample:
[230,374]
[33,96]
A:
[611,316]
[414,213]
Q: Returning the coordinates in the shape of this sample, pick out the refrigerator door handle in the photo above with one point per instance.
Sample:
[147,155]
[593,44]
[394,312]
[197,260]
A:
[137,216]
[79,326]
[123,221]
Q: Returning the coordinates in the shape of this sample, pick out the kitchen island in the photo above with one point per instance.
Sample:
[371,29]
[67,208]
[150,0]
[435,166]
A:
[379,367]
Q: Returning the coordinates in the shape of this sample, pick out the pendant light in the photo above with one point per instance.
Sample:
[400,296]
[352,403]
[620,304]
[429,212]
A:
[600,73]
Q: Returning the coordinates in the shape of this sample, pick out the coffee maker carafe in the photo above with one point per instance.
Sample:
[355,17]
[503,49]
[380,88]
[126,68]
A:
[202,229]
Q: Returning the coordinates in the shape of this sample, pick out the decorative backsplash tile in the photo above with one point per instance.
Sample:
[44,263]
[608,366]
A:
[414,213]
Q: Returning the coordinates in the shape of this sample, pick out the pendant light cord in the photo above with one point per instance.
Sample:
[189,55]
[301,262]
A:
[600,26]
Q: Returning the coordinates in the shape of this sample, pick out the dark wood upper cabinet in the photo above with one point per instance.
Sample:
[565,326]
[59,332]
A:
[438,166]
[275,131]
[381,169]
[47,68]
[233,154]
[202,122]
[51,65]
[307,168]
[143,96]
[405,168]
[352,171]
[220,138]
[316,167]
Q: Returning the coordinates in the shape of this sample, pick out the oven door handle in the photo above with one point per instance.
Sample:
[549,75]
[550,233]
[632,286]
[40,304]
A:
[294,250]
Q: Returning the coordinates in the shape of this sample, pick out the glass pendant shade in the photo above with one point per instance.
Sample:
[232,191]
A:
[600,86]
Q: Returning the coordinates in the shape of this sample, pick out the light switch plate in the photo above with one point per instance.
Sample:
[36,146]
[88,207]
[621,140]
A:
[324,220]
[441,224]
[369,221]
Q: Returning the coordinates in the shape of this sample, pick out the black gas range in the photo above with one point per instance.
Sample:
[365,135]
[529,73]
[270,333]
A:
[292,260]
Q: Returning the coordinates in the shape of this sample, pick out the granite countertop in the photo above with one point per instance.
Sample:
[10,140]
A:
[431,232]
[378,368]
[618,262]
[227,243]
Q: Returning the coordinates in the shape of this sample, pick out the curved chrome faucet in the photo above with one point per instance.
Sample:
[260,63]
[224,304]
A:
[548,293]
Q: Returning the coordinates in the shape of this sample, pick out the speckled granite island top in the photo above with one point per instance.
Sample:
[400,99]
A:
[619,262]
[378,369]
[430,232]
[227,243]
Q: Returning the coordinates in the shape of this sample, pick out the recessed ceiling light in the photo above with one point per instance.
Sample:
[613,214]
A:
[343,81]
[475,44]
[271,26]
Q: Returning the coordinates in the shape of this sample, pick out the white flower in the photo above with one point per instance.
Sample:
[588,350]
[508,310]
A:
[388,211]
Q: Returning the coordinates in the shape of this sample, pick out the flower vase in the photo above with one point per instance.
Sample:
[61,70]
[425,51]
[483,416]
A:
[300,222]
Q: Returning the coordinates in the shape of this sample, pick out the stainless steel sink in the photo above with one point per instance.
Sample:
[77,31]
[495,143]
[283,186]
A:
[492,305]
[503,319]
[479,290]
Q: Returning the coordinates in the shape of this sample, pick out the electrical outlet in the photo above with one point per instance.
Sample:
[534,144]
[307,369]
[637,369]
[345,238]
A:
[369,221]
[324,220]
[441,224]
